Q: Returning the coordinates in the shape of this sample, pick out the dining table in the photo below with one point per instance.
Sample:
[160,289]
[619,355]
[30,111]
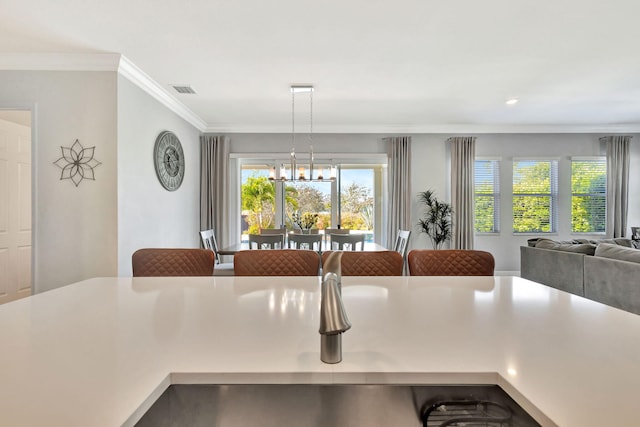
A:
[233,249]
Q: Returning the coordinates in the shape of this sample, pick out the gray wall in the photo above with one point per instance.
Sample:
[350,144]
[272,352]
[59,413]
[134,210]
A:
[430,169]
[149,215]
[92,230]
[74,228]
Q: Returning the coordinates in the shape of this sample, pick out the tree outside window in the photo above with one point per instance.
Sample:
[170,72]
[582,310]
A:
[588,195]
[258,203]
[356,195]
[535,196]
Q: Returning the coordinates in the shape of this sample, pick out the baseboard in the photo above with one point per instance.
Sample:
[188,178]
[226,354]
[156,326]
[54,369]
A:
[506,273]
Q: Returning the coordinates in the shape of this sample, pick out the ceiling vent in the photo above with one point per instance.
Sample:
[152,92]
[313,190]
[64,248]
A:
[184,89]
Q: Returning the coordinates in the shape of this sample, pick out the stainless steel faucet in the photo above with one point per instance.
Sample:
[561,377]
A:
[333,317]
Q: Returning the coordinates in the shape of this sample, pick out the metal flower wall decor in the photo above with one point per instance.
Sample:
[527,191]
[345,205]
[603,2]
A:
[77,163]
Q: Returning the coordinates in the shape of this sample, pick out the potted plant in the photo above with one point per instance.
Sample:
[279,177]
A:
[436,222]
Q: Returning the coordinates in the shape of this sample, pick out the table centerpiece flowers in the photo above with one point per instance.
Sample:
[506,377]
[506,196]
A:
[305,221]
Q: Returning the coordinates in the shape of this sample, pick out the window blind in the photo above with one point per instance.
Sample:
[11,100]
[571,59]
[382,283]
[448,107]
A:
[487,196]
[588,195]
[535,196]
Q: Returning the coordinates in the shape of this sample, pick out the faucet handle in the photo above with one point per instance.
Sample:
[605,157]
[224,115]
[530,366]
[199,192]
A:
[333,265]
[333,317]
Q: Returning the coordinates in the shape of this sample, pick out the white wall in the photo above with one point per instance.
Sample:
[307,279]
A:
[149,215]
[430,170]
[74,227]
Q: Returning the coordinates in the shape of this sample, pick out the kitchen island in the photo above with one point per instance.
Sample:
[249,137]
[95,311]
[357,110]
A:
[101,351]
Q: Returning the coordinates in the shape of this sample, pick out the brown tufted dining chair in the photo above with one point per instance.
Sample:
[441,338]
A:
[172,262]
[276,262]
[380,263]
[450,262]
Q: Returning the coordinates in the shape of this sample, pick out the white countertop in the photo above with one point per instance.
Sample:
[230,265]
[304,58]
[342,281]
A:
[99,352]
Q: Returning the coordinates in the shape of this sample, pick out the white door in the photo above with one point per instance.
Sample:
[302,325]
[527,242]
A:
[15,205]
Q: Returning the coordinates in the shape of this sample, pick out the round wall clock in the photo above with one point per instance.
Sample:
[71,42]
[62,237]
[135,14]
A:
[169,160]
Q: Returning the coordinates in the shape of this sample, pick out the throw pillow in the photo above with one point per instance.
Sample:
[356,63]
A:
[608,250]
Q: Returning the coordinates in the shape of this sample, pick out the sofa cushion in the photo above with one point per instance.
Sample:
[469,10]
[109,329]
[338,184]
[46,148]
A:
[587,249]
[617,241]
[608,250]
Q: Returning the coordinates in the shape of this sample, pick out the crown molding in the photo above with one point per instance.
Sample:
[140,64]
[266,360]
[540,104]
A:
[141,79]
[100,62]
[431,129]
[122,65]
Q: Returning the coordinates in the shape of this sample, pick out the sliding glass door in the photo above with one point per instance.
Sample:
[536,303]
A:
[353,200]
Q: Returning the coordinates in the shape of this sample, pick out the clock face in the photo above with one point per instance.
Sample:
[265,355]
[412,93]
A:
[169,160]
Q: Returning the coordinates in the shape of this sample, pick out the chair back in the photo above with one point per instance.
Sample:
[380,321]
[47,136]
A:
[268,241]
[348,241]
[452,262]
[273,231]
[380,263]
[402,242]
[329,231]
[310,231]
[208,238]
[305,241]
[280,262]
[172,262]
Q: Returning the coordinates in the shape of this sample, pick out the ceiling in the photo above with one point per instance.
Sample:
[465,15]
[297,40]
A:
[377,66]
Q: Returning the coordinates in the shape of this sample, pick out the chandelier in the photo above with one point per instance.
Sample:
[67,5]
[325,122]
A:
[297,171]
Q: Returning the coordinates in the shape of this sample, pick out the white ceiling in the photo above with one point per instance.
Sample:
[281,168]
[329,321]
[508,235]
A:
[377,66]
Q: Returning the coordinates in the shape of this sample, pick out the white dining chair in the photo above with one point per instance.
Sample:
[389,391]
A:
[305,241]
[208,238]
[402,242]
[346,241]
[266,241]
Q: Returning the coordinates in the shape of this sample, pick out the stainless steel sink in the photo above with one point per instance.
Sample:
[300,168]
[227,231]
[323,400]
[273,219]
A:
[320,405]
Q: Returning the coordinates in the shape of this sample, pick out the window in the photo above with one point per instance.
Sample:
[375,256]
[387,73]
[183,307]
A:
[257,199]
[353,200]
[359,197]
[588,195]
[535,196]
[487,196]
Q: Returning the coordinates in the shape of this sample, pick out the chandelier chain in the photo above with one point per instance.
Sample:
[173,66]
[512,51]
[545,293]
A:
[310,116]
[293,121]
[301,176]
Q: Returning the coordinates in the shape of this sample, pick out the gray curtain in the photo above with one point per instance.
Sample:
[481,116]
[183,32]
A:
[463,155]
[214,186]
[399,217]
[617,183]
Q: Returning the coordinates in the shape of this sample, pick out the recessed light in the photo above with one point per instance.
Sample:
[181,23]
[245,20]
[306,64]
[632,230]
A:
[511,101]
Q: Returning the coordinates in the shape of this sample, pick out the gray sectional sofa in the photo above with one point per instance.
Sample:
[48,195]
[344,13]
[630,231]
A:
[606,271]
